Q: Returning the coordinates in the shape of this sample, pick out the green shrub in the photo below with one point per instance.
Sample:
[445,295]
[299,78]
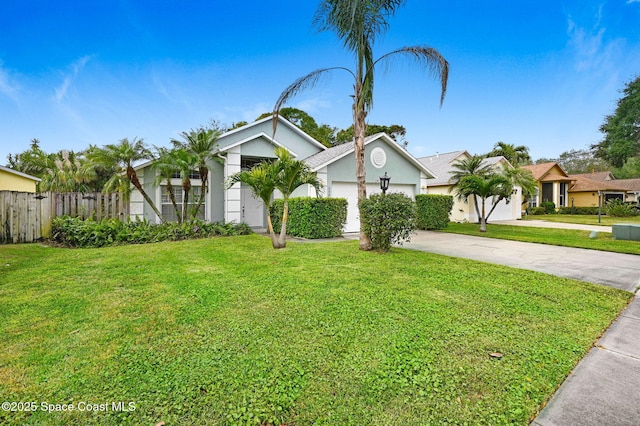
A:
[311,217]
[549,207]
[433,211]
[578,210]
[537,211]
[618,208]
[388,219]
[75,232]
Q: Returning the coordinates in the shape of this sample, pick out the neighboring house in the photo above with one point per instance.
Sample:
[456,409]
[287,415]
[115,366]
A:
[12,180]
[553,184]
[442,166]
[244,147]
[626,189]
[585,192]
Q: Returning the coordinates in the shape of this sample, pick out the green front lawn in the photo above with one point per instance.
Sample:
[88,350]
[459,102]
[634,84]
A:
[584,219]
[551,236]
[228,331]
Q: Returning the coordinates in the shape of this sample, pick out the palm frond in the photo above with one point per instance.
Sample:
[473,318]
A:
[427,57]
[300,85]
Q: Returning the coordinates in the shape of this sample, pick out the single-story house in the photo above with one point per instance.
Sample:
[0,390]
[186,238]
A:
[585,192]
[625,189]
[553,184]
[442,166]
[244,147]
[13,180]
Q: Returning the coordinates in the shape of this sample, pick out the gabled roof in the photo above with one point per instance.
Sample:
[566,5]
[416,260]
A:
[281,121]
[583,184]
[632,185]
[324,158]
[601,176]
[540,171]
[254,137]
[17,173]
[441,165]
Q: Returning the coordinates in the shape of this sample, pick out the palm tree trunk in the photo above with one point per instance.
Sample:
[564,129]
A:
[172,197]
[483,220]
[475,204]
[359,132]
[133,178]
[186,187]
[272,234]
[204,176]
[282,240]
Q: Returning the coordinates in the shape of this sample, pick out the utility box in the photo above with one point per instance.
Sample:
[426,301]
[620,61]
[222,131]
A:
[626,231]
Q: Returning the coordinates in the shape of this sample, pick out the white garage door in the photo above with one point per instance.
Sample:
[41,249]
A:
[349,191]
[503,211]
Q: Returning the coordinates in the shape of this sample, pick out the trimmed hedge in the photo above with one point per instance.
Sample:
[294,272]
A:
[75,232]
[578,210]
[433,211]
[311,217]
[388,219]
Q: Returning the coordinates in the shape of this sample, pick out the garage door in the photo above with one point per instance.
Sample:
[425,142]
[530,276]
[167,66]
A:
[349,191]
[503,211]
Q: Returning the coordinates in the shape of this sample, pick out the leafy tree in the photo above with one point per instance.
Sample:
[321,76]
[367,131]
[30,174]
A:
[285,174]
[630,169]
[577,161]
[516,155]
[123,156]
[324,133]
[396,131]
[358,24]
[202,144]
[622,128]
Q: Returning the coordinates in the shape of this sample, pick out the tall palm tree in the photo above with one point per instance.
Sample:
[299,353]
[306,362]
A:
[358,23]
[285,174]
[123,156]
[472,166]
[201,143]
[516,155]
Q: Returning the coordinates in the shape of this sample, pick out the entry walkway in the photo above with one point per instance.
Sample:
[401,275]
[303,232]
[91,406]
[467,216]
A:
[603,389]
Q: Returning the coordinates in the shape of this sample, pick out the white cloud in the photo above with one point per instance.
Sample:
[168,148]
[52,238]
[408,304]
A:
[633,1]
[8,87]
[76,67]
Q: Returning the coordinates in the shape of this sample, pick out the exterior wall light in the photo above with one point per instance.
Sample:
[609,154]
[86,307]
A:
[384,183]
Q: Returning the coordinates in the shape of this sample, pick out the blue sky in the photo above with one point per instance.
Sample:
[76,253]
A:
[541,74]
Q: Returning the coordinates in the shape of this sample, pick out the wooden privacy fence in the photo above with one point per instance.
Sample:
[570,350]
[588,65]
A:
[26,217]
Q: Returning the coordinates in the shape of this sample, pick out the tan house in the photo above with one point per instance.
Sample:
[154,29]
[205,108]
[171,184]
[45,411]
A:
[625,189]
[553,184]
[441,165]
[12,180]
[588,192]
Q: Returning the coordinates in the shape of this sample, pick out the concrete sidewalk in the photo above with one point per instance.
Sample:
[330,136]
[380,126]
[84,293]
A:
[604,388]
[534,223]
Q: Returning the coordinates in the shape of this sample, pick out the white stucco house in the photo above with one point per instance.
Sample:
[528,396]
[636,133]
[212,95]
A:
[442,167]
[246,146]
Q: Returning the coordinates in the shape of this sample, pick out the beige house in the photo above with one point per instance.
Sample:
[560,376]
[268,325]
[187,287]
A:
[12,180]
[442,167]
[587,186]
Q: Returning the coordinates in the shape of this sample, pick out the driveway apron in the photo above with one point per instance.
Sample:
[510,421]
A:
[604,388]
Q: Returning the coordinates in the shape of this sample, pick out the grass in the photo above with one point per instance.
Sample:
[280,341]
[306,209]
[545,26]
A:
[584,219]
[558,237]
[230,331]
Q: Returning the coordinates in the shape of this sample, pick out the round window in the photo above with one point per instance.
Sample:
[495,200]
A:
[378,158]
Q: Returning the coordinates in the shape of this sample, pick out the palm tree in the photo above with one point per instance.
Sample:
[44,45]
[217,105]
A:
[358,24]
[165,167]
[516,155]
[472,166]
[185,162]
[123,156]
[285,174]
[495,185]
[202,144]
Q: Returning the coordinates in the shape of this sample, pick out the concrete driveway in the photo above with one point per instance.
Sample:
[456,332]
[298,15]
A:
[613,269]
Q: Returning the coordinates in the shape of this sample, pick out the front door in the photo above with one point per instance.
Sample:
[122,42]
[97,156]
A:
[252,209]
[547,192]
